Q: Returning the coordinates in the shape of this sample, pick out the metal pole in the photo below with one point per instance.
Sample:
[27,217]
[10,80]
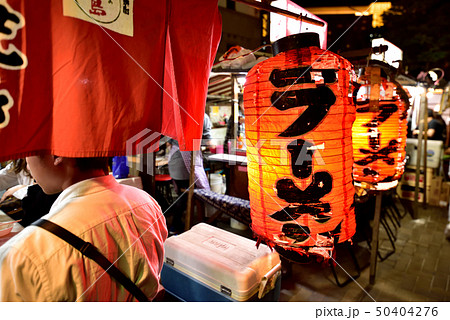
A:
[425,150]
[189,211]
[422,110]
[235,110]
[375,233]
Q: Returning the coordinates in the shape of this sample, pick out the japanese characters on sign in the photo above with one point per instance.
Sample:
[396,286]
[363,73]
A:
[10,58]
[114,15]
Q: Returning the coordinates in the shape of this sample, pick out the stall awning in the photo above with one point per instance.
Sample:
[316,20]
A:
[81,78]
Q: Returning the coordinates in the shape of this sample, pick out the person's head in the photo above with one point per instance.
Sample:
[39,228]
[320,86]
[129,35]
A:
[54,173]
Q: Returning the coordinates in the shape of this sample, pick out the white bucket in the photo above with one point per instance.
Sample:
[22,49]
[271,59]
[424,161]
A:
[237,225]
[216,183]
[217,186]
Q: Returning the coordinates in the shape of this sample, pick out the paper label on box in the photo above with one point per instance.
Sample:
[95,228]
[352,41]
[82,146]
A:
[115,15]
[218,244]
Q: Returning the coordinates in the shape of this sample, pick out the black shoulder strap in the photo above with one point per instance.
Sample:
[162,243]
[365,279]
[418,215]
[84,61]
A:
[90,251]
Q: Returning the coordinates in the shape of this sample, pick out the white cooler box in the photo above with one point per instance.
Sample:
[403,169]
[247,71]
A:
[434,152]
[210,264]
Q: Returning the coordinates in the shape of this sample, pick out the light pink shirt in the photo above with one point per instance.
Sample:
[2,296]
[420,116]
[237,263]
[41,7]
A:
[121,221]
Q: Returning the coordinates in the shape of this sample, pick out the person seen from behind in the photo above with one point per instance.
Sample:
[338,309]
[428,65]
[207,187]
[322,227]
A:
[124,223]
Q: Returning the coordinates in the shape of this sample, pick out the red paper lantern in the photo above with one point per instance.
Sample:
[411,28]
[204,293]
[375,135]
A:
[298,117]
[379,131]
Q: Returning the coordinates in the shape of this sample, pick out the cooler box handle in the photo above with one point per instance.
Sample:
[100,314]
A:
[268,280]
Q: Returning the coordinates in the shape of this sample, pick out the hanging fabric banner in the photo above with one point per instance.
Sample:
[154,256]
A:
[81,78]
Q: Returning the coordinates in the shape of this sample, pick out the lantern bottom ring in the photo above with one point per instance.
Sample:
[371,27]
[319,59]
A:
[380,186]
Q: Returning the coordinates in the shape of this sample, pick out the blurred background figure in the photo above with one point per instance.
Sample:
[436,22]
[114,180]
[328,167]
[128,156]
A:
[229,137]
[436,127]
[179,170]
[15,179]
[23,199]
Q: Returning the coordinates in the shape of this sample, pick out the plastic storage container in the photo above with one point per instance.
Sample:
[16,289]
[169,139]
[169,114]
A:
[434,152]
[210,264]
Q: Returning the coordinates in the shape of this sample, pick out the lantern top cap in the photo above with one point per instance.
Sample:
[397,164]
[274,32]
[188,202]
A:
[296,41]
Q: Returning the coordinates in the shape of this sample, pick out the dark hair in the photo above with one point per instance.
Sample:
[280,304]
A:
[20,165]
[85,164]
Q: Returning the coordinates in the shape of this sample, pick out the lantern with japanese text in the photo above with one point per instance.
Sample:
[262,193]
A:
[379,131]
[299,115]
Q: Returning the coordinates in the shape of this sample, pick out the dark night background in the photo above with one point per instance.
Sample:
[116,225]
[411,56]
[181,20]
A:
[419,27]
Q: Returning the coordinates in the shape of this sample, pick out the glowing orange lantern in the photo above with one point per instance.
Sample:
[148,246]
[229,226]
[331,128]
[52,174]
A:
[299,115]
[379,132]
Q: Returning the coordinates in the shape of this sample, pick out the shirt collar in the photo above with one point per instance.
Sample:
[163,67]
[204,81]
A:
[85,187]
